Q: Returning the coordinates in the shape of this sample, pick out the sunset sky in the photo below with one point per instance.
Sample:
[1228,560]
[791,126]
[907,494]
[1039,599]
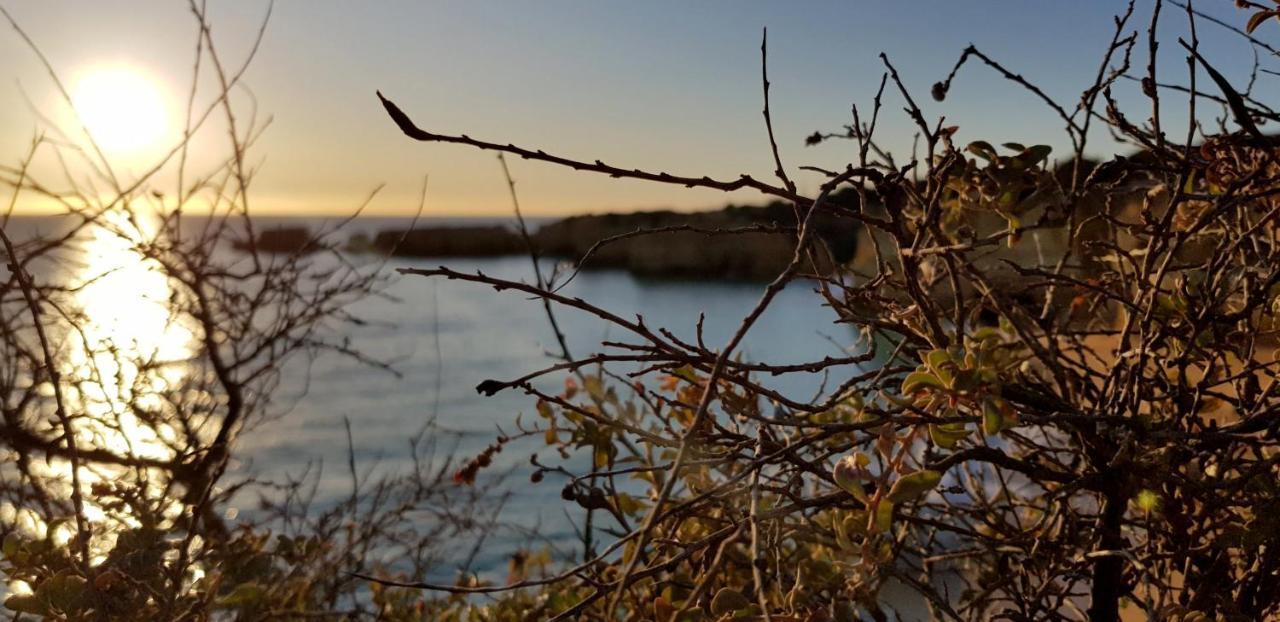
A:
[665,85]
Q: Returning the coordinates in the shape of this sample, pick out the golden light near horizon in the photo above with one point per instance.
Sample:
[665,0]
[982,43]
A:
[122,108]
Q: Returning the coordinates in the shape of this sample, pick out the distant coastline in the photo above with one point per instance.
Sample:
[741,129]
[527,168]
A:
[733,243]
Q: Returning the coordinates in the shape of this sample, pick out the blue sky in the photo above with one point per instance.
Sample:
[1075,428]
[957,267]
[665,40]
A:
[667,85]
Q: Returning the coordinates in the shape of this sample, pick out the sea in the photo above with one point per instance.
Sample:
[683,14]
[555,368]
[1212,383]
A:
[442,338]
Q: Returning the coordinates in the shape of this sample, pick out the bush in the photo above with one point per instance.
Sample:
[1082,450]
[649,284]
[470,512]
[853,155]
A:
[1062,405]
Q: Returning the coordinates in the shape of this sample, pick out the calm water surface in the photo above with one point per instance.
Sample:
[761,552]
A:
[453,335]
[444,337]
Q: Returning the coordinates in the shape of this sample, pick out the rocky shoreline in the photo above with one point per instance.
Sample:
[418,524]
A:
[734,243]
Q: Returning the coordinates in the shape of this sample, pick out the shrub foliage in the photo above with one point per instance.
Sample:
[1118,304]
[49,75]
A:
[1061,405]
[1061,402]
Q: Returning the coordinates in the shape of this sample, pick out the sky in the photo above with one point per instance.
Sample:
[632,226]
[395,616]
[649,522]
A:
[662,85]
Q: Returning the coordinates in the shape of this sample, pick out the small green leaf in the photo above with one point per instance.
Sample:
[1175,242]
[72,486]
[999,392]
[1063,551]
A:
[884,516]
[985,333]
[685,373]
[946,435]
[595,388]
[842,531]
[995,417]
[1014,236]
[920,380]
[628,504]
[914,485]
[938,359]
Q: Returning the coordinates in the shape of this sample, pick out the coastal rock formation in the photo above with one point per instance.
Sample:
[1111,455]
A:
[281,240]
[737,242]
[490,241]
[756,255]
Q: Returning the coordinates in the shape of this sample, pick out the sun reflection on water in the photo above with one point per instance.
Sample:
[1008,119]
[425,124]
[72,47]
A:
[126,352]
[132,348]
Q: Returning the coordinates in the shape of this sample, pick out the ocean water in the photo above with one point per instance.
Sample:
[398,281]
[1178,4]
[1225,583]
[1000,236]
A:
[444,337]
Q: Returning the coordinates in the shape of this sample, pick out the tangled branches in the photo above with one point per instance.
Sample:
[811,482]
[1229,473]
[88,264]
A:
[1061,402]
[142,332]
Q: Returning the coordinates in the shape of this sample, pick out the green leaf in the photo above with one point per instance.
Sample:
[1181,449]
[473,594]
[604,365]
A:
[914,485]
[994,416]
[544,409]
[727,601]
[946,435]
[628,504]
[937,359]
[1014,147]
[842,531]
[1014,223]
[985,333]
[884,515]
[595,388]
[685,373]
[920,380]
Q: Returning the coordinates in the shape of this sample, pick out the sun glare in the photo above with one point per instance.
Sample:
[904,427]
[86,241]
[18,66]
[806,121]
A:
[123,109]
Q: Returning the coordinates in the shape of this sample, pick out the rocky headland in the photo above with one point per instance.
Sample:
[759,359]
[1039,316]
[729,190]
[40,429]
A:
[737,242]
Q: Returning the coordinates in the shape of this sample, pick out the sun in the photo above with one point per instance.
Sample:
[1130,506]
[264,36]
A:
[123,109]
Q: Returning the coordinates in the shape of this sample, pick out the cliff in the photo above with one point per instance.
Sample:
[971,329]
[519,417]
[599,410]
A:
[487,241]
[714,251]
[687,254]
[280,240]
